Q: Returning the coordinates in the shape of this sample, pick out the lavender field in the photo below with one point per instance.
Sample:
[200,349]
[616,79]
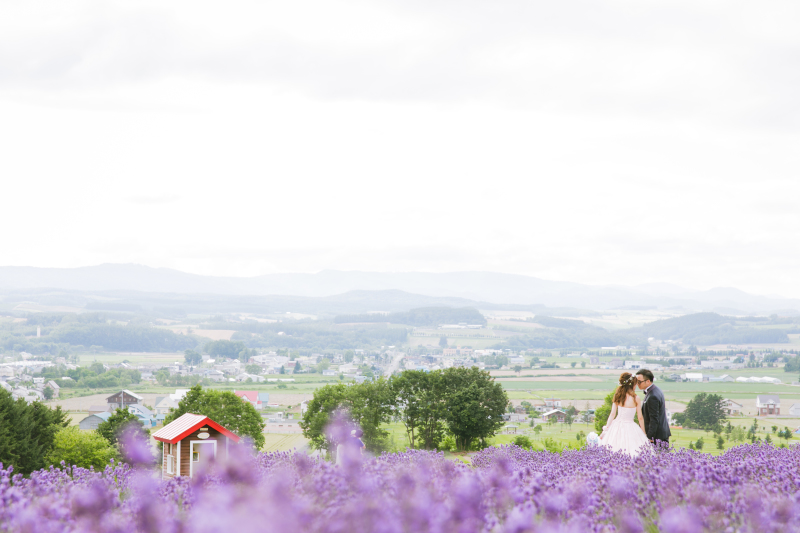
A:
[751,488]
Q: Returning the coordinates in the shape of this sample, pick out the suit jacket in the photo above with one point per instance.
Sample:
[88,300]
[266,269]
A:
[654,412]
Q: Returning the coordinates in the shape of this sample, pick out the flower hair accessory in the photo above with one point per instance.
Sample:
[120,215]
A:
[628,381]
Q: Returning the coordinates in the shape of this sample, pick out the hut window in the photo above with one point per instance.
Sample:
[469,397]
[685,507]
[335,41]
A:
[196,457]
[170,449]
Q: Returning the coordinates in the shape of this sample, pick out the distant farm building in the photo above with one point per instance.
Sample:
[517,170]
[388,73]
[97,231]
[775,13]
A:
[555,414]
[123,398]
[731,408]
[768,404]
[92,421]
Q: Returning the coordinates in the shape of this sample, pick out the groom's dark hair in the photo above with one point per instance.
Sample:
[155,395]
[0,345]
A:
[646,374]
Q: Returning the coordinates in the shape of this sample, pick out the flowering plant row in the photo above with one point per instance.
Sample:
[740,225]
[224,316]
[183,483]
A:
[751,488]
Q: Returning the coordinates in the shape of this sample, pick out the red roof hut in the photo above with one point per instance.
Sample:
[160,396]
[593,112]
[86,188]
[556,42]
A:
[189,441]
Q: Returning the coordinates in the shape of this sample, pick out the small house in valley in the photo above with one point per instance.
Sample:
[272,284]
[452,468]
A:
[556,414]
[92,421]
[768,404]
[54,387]
[122,399]
[189,441]
[731,408]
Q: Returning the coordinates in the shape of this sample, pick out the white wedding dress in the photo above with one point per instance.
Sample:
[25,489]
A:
[623,434]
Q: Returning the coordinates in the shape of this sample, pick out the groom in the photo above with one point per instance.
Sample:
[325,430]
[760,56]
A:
[654,409]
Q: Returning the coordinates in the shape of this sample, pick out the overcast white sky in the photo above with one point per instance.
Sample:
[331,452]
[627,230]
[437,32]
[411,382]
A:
[621,142]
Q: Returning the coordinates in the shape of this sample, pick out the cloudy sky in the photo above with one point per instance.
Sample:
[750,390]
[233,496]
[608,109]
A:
[621,142]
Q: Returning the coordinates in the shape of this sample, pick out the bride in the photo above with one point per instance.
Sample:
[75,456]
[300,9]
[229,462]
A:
[622,433]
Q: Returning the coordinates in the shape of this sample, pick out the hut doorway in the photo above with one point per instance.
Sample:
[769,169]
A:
[202,451]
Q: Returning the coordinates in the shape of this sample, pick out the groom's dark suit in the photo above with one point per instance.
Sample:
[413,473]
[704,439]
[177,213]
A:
[654,412]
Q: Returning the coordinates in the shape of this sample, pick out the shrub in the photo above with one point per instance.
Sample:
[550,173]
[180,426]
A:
[81,448]
[523,442]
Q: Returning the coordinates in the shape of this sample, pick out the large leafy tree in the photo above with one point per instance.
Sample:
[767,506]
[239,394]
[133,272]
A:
[705,410]
[474,405]
[371,406]
[419,402]
[367,404]
[319,411]
[81,448]
[224,408]
[27,432]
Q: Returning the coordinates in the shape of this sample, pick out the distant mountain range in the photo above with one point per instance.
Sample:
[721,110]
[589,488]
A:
[461,287]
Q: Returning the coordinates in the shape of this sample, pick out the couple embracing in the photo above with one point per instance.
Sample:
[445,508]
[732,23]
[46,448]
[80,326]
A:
[621,433]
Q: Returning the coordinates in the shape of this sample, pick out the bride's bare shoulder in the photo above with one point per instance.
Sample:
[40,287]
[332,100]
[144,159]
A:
[632,399]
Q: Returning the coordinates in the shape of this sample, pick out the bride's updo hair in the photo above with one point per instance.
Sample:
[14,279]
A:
[627,384]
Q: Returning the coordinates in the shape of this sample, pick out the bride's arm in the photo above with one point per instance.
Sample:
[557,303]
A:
[639,414]
[612,414]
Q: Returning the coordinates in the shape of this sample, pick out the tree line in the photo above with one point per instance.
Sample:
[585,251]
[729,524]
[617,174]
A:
[311,334]
[462,404]
[95,376]
[421,317]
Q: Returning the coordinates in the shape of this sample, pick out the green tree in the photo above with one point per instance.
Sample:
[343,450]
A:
[348,356]
[537,429]
[419,400]
[569,419]
[517,369]
[367,404]
[224,408]
[281,371]
[583,364]
[573,364]
[323,365]
[699,444]
[80,448]
[119,420]
[474,405]
[602,413]
[370,407]
[705,410]
[252,369]
[27,432]
[443,341]
[192,358]
[48,393]
[720,442]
